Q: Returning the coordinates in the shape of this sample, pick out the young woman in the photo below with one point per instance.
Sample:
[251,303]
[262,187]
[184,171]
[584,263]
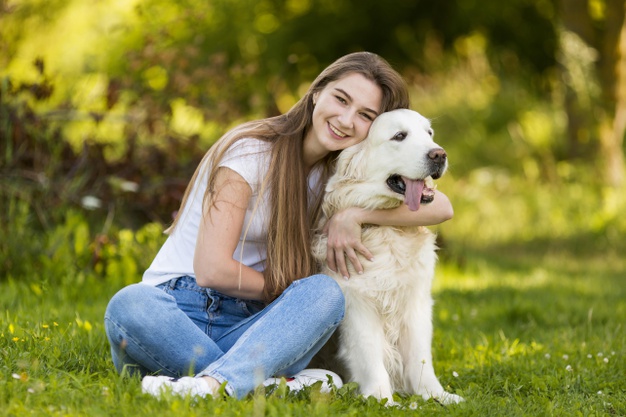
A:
[233,297]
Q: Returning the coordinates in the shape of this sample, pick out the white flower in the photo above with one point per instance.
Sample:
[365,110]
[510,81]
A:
[129,186]
[90,202]
[413,406]
[455,374]
[606,360]
[600,354]
[568,368]
[589,355]
[16,376]
[566,357]
[600,393]
[547,356]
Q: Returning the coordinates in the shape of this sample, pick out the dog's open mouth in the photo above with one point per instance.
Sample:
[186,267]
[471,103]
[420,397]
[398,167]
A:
[415,192]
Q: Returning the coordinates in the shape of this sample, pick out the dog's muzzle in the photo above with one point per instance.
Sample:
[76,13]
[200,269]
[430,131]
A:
[415,192]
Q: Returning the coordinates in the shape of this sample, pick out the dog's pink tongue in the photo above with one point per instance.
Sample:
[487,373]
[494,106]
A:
[413,194]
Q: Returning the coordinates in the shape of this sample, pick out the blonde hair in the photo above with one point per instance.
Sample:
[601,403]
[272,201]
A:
[291,219]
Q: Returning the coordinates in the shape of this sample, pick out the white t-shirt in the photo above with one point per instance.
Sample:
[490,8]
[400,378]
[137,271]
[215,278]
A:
[250,158]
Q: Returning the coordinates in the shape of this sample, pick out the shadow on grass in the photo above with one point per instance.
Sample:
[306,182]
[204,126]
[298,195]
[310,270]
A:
[571,284]
[580,254]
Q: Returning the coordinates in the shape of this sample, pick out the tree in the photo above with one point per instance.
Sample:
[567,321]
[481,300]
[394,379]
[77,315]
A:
[601,26]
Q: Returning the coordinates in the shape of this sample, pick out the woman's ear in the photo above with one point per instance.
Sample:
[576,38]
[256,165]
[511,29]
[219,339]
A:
[315,96]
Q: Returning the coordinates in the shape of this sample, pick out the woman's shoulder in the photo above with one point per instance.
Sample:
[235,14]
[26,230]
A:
[249,145]
[249,157]
[246,150]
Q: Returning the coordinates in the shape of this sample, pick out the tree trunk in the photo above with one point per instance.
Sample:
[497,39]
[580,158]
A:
[608,114]
[576,19]
[612,75]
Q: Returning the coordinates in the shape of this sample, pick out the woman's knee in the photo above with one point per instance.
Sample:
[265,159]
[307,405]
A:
[135,303]
[328,293]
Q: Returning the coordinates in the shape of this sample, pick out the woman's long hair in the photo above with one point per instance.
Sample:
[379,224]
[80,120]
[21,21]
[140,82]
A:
[291,219]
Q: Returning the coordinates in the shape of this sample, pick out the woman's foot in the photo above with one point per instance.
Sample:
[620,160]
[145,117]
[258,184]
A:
[197,387]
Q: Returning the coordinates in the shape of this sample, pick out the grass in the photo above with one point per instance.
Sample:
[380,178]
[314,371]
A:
[526,324]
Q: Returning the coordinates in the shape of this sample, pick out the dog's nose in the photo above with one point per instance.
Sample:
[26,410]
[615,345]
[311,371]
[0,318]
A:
[437,155]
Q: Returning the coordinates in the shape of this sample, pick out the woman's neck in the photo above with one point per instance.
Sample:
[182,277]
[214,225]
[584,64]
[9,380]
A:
[311,154]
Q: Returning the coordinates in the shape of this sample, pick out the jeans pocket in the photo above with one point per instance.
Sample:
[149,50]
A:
[190,298]
[235,308]
[252,306]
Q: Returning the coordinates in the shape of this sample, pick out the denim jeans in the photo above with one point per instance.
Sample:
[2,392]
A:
[179,328]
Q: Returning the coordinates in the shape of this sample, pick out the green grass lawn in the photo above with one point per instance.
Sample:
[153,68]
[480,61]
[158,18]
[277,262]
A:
[526,326]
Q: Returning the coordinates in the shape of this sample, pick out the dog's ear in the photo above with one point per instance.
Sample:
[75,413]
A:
[349,164]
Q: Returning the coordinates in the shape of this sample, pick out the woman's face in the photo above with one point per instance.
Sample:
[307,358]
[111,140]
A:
[344,111]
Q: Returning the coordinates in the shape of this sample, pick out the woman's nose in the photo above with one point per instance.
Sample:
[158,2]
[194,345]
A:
[346,119]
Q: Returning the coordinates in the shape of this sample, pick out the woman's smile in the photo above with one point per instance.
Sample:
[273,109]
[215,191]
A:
[338,133]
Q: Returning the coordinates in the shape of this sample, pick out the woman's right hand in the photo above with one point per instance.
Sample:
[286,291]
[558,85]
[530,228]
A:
[344,241]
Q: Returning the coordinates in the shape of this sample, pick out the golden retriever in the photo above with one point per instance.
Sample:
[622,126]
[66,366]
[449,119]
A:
[385,338]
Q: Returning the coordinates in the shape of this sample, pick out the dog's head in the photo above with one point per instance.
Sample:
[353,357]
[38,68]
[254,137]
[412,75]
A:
[398,158]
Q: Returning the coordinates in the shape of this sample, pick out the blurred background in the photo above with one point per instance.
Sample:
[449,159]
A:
[107,106]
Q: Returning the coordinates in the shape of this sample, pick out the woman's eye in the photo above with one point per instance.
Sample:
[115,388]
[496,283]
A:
[367,117]
[341,100]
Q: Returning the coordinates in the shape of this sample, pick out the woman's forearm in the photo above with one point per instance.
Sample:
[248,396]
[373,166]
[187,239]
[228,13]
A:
[230,278]
[436,212]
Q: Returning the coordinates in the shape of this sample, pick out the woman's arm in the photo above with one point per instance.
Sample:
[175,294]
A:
[436,212]
[218,236]
[344,228]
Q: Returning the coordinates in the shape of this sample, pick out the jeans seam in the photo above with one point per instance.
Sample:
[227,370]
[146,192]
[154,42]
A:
[308,348]
[127,335]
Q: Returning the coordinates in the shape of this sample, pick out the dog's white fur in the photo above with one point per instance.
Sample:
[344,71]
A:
[385,337]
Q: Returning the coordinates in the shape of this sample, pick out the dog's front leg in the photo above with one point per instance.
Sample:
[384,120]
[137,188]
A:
[362,349]
[415,346]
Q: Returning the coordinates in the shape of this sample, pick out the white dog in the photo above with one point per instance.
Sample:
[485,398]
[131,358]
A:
[385,337]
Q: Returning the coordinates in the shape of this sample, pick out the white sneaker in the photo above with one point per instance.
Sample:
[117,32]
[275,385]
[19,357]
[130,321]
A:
[308,377]
[159,385]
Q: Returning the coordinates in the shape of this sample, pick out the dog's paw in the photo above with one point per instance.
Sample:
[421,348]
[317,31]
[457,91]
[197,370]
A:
[447,398]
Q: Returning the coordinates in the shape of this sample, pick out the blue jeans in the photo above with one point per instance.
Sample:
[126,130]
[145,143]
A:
[179,328]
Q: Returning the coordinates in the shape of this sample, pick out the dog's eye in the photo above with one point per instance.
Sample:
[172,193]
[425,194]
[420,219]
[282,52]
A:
[400,136]
[431,133]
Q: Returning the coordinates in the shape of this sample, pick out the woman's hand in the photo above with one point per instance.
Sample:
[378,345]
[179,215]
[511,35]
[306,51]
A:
[344,241]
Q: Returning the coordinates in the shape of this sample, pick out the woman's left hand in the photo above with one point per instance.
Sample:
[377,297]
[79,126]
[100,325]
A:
[344,241]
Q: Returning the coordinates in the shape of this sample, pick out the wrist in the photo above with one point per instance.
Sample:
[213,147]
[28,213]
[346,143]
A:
[354,214]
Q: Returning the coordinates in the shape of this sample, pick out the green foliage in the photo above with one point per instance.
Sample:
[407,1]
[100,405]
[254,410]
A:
[71,252]
[154,69]
[120,124]
[41,168]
